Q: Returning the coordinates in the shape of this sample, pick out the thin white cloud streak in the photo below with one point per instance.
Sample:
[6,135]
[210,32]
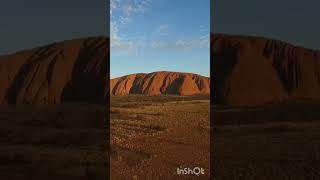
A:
[204,28]
[125,9]
[121,44]
[140,44]
[185,45]
[132,8]
[162,30]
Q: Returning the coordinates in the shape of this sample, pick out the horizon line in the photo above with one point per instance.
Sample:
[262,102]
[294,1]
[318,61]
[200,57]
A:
[158,72]
[295,44]
[40,45]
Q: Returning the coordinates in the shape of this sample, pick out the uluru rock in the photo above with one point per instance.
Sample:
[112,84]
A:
[69,71]
[250,71]
[160,83]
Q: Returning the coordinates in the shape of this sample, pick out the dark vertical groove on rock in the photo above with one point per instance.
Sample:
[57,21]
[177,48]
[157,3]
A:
[89,71]
[297,68]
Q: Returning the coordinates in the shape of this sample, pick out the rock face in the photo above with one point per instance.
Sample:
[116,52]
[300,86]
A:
[69,71]
[160,83]
[249,71]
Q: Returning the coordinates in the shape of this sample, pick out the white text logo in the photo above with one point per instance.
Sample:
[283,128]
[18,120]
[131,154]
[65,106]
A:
[190,171]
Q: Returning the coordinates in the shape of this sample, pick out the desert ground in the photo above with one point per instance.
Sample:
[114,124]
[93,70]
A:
[267,143]
[153,136]
[67,141]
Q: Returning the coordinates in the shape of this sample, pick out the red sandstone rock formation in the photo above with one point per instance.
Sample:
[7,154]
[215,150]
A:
[160,83]
[249,71]
[69,71]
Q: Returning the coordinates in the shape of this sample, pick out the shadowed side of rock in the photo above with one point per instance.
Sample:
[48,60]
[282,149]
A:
[69,71]
[250,71]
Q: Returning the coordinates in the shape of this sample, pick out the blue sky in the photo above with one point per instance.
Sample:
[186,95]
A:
[293,21]
[157,35]
[28,24]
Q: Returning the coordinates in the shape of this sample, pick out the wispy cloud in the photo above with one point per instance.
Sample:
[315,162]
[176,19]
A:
[122,12]
[162,30]
[131,8]
[204,28]
[183,44]
[114,4]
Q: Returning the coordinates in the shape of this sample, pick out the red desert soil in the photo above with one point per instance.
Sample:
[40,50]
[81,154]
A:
[251,71]
[160,83]
[73,70]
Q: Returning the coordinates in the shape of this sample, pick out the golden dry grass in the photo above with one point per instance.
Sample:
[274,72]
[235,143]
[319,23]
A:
[152,136]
